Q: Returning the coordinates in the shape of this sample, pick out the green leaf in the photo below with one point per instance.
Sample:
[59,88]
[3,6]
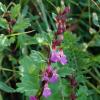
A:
[3,23]
[64,71]
[80,78]
[24,2]
[37,57]
[44,38]
[25,10]
[15,11]
[70,39]
[95,19]
[29,70]
[82,93]
[3,7]
[29,78]
[6,88]
[54,16]
[21,25]
[99,1]
[95,41]
[77,58]
[4,41]
[25,39]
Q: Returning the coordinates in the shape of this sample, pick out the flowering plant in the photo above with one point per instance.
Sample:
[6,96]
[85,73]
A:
[49,51]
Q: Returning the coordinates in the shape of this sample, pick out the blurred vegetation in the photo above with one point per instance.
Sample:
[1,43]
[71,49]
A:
[25,26]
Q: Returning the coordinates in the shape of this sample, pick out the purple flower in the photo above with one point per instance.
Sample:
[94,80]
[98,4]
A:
[46,91]
[62,58]
[50,75]
[54,56]
[47,73]
[33,98]
[54,77]
[58,57]
[66,10]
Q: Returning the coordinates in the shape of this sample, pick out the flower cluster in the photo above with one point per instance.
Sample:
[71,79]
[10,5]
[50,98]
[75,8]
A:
[56,55]
[50,75]
[61,21]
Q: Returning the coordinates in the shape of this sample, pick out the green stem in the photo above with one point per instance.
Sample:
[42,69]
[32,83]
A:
[42,8]
[97,72]
[19,33]
[92,86]
[96,4]
[9,70]
[94,76]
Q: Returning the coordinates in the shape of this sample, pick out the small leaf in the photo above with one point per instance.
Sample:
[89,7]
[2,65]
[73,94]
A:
[82,93]
[44,38]
[4,41]
[37,57]
[3,23]
[95,19]
[15,11]
[64,71]
[6,88]
[3,7]
[21,25]
[53,15]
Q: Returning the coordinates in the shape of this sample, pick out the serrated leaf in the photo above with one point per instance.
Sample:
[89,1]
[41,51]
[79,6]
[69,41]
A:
[80,78]
[27,62]
[3,23]
[25,10]
[24,39]
[29,84]
[70,39]
[29,71]
[4,41]
[64,71]
[44,38]
[21,25]
[82,93]
[15,11]
[37,57]
[6,88]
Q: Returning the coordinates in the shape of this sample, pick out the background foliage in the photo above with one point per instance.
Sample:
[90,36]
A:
[26,30]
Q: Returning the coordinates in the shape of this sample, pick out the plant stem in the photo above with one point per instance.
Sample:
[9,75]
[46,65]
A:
[92,86]
[97,72]
[94,76]
[19,33]
[9,70]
